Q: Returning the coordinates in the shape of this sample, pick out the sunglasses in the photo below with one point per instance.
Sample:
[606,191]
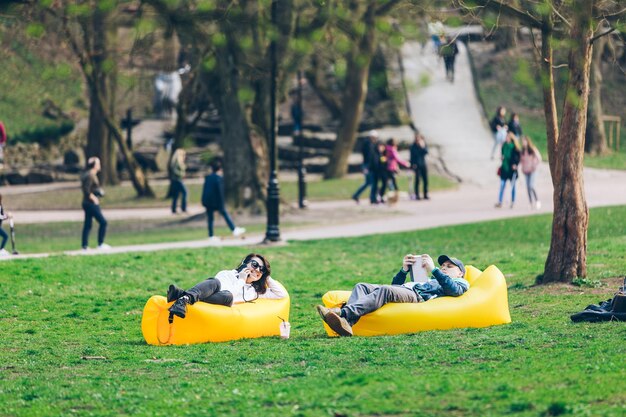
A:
[254,264]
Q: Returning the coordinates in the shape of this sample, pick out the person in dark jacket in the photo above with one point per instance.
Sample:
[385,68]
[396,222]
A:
[449,50]
[514,125]
[213,199]
[369,167]
[498,128]
[446,280]
[508,170]
[419,149]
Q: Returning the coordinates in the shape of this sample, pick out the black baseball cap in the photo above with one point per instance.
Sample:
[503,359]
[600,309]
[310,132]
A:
[444,258]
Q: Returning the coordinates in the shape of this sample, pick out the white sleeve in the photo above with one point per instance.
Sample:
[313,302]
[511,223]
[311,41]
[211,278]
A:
[275,290]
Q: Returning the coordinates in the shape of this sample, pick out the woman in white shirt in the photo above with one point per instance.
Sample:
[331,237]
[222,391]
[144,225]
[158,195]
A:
[249,281]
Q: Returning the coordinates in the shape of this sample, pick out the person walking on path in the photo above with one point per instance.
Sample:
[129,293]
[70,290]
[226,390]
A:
[393,163]
[177,173]
[92,192]
[530,159]
[3,235]
[244,284]
[499,129]
[369,167]
[419,150]
[514,126]
[508,169]
[213,199]
[366,298]
[449,50]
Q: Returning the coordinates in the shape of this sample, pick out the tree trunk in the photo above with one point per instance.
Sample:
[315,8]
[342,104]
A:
[353,101]
[595,137]
[567,257]
[243,185]
[98,140]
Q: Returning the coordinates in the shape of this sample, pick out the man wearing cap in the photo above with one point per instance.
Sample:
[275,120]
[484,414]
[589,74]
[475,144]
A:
[446,280]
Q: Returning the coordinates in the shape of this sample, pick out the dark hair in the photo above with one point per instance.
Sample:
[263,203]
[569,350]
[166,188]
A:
[498,110]
[216,164]
[513,116]
[260,286]
[391,142]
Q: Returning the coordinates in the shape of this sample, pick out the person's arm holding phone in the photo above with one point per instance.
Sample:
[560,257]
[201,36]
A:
[407,262]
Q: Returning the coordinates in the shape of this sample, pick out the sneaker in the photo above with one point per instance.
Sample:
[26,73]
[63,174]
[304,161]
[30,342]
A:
[498,205]
[238,231]
[538,204]
[179,308]
[323,311]
[4,252]
[214,239]
[338,324]
[174,293]
[512,204]
[356,199]
[104,246]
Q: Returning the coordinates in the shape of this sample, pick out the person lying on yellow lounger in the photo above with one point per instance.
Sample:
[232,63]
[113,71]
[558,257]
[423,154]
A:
[447,280]
[249,281]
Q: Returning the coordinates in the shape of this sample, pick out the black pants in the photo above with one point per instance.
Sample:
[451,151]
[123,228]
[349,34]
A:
[93,210]
[208,291]
[4,237]
[421,171]
[389,176]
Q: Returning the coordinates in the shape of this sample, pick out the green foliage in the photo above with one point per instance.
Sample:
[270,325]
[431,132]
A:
[35,30]
[60,312]
[43,134]
[584,282]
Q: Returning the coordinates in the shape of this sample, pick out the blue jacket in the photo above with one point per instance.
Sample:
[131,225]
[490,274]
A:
[438,286]
[213,192]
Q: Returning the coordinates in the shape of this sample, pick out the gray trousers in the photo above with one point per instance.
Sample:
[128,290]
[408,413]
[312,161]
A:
[366,298]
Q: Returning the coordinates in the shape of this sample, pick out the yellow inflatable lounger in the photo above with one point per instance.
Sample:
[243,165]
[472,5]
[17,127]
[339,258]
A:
[484,304]
[212,323]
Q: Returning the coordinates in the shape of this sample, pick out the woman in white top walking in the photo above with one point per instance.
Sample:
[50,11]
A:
[529,160]
[249,281]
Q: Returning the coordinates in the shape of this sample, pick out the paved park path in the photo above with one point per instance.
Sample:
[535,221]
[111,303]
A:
[449,115]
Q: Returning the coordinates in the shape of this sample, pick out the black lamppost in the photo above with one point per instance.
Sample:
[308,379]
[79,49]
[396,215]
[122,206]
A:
[273,195]
[301,168]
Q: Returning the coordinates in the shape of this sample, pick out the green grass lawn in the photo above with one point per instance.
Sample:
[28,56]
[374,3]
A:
[59,312]
[124,196]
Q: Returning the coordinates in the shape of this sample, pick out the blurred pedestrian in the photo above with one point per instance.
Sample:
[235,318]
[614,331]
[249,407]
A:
[448,51]
[393,163]
[419,150]
[529,160]
[177,173]
[213,199]
[380,180]
[368,150]
[514,126]
[92,192]
[3,235]
[498,128]
[508,169]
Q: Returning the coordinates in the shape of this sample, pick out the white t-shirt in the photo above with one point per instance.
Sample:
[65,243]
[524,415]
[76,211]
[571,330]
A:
[242,292]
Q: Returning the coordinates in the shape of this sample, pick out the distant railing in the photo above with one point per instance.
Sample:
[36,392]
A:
[615,122]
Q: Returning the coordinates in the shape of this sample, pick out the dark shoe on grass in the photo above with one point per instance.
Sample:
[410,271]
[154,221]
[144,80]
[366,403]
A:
[339,324]
[174,293]
[179,308]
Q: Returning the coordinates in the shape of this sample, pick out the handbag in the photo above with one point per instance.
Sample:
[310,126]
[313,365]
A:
[499,171]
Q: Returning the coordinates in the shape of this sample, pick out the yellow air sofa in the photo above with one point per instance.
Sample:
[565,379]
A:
[212,323]
[484,304]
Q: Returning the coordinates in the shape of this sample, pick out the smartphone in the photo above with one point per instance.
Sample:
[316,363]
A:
[418,273]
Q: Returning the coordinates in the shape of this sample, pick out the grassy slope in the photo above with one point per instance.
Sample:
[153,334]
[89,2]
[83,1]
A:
[26,81]
[507,79]
[57,310]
